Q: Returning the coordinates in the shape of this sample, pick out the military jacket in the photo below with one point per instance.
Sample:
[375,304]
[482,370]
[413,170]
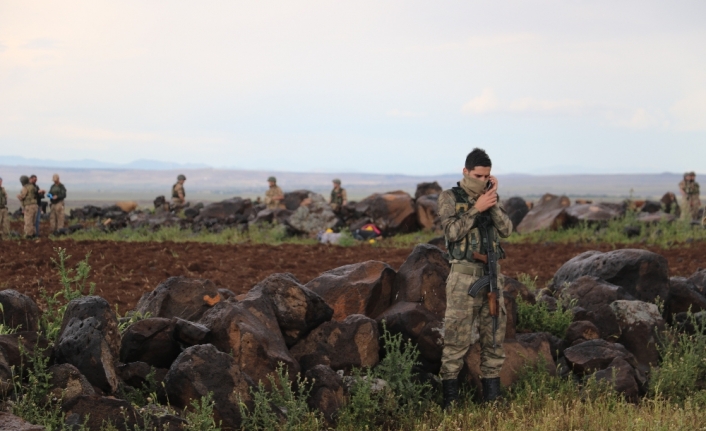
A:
[691,189]
[28,196]
[58,191]
[338,196]
[460,220]
[3,198]
[176,188]
[271,193]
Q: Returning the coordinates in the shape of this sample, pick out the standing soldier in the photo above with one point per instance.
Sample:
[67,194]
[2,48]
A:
[40,195]
[690,192]
[57,194]
[4,215]
[339,197]
[462,209]
[28,199]
[274,197]
[178,192]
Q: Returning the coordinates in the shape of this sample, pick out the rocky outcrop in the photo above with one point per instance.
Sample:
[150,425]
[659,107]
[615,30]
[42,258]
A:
[350,343]
[639,324]
[622,377]
[313,215]
[89,339]
[360,288]
[548,213]
[683,296]
[424,189]
[594,213]
[67,383]
[9,422]
[95,412]
[234,210]
[643,274]
[596,355]
[422,279]
[327,395]
[186,298]
[256,349]
[297,308]
[202,369]
[427,207]
[580,331]
[391,212]
[516,208]
[151,341]
[18,311]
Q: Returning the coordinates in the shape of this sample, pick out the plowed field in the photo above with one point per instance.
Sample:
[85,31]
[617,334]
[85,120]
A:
[123,271]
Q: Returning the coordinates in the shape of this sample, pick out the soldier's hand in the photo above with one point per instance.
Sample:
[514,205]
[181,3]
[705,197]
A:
[494,180]
[486,201]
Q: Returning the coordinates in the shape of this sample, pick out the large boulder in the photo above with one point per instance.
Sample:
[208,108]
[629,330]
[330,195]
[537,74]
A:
[327,393]
[643,274]
[699,280]
[683,296]
[313,215]
[424,189]
[421,326]
[595,355]
[516,208]
[549,213]
[270,216]
[427,207]
[391,212]
[151,341]
[580,331]
[9,422]
[594,213]
[202,369]
[221,211]
[297,309]
[595,296]
[422,279]
[622,377]
[294,199]
[639,324]
[96,412]
[655,217]
[359,288]
[18,311]
[89,339]
[186,298]
[526,350]
[350,343]
[256,349]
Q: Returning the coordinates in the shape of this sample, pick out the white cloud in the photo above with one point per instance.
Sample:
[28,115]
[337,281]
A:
[488,103]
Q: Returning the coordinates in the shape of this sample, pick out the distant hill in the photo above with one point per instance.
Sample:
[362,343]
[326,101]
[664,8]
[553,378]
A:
[143,164]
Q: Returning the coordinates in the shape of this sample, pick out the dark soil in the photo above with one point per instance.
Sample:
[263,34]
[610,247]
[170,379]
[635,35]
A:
[124,271]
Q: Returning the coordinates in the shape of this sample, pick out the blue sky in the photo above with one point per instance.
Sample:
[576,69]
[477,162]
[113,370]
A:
[368,86]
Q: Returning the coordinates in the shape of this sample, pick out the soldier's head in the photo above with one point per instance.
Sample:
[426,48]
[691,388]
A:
[272,181]
[55,178]
[478,165]
[336,183]
[692,176]
[181,178]
[33,179]
[24,180]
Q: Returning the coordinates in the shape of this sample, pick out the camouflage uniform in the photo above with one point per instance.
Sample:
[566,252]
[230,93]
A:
[4,215]
[692,203]
[463,311]
[56,215]
[178,195]
[337,198]
[271,193]
[28,198]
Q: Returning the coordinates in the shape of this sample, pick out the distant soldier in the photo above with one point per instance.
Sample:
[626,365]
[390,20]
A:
[178,192]
[40,206]
[690,192]
[274,196]
[57,194]
[28,200]
[339,197]
[4,215]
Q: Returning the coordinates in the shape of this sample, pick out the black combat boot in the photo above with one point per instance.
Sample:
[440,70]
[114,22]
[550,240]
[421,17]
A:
[491,389]
[450,389]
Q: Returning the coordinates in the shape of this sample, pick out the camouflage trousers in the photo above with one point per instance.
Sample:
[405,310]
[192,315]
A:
[4,224]
[30,213]
[463,313]
[56,216]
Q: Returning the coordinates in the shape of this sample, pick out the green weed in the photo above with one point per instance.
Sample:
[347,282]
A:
[538,318]
[200,418]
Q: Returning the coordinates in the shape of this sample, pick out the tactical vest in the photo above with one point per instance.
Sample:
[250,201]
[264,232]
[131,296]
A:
[337,197]
[31,198]
[3,198]
[473,241]
[175,194]
[59,192]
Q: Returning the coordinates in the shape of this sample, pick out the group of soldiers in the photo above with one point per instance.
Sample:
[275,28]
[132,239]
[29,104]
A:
[31,199]
[274,196]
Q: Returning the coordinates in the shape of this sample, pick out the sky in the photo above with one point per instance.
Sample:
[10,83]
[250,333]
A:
[367,86]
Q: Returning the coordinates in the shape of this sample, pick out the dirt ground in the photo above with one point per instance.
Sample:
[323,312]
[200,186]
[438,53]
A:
[124,271]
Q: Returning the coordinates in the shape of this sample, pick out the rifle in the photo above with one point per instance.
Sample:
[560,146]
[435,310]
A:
[491,278]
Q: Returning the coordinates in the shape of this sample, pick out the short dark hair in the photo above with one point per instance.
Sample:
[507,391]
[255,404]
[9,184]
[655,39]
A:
[477,157]
[32,176]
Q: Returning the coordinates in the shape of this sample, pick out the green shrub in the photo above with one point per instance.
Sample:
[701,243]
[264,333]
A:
[538,318]
[528,281]
[200,417]
[682,371]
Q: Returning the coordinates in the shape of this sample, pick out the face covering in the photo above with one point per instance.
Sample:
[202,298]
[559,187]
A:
[473,186]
